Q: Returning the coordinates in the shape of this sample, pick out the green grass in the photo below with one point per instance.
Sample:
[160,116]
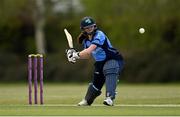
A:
[61,99]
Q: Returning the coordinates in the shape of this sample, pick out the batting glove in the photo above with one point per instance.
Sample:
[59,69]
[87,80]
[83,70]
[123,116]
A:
[76,55]
[69,54]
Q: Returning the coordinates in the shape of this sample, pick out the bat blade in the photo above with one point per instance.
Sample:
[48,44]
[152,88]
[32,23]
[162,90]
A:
[69,38]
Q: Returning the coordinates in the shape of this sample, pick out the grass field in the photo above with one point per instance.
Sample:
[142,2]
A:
[61,99]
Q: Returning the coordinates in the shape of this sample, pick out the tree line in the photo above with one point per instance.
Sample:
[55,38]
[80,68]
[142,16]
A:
[150,57]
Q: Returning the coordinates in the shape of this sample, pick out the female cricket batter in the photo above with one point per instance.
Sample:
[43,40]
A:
[108,62]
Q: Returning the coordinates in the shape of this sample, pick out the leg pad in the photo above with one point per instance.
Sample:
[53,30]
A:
[92,93]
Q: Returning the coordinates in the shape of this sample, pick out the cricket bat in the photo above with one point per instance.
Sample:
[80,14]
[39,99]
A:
[69,38]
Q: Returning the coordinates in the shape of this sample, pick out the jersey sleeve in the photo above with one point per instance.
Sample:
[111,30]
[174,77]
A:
[99,38]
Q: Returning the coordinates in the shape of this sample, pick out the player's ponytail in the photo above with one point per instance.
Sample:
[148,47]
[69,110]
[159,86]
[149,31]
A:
[81,37]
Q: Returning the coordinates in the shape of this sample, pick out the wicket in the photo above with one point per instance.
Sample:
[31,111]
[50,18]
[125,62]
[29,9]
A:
[35,70]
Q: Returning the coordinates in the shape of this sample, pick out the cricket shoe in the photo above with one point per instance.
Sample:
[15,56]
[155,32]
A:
[83,103]
[108,101]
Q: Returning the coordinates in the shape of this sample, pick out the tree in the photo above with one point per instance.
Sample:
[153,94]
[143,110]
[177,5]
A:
[39,26]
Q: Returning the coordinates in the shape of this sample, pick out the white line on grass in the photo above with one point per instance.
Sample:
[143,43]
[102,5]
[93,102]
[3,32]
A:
[128,105]
[100,105]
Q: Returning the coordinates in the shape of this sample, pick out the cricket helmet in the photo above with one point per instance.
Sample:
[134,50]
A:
[87,22]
